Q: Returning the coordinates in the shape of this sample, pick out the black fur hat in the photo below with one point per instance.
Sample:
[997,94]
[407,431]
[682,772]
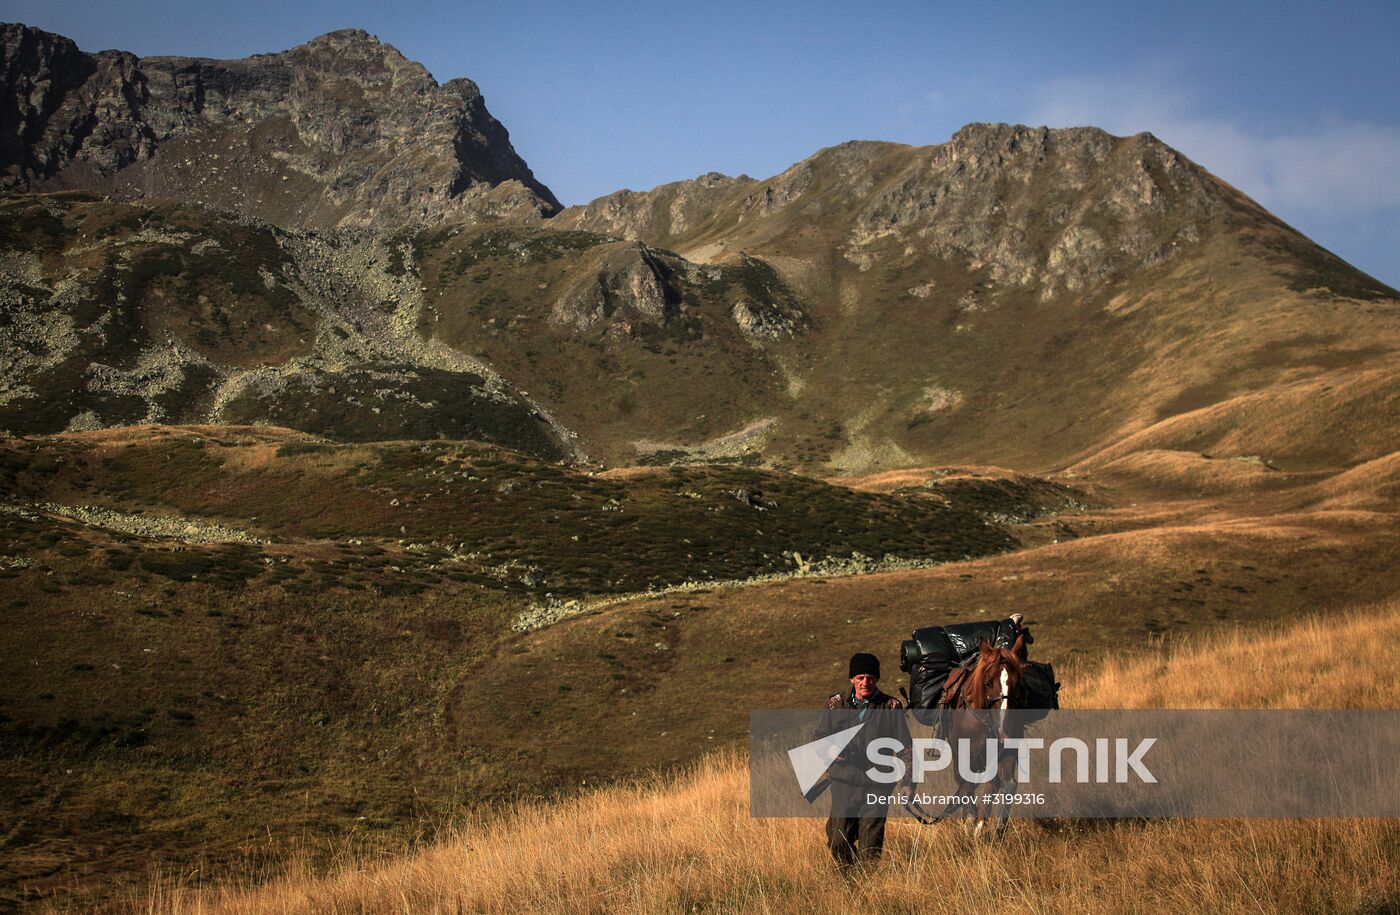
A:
[862,663]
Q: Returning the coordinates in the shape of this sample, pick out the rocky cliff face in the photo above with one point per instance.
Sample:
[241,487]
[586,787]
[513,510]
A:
[1053,210]
[668,211]
[342,130]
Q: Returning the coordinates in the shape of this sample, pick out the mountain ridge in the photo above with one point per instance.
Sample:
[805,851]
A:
[1026,296]
[280,492]
[358,132]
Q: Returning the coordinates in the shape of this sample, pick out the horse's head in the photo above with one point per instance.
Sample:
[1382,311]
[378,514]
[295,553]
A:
[996,677]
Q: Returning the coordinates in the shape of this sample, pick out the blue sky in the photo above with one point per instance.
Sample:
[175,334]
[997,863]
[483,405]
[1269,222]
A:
[1297,104]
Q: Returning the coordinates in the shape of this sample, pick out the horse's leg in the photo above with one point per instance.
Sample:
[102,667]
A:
[953,805]
[971,806]
[984,807]
[994,811]
[980,805]
[959,787]
[972,823]
[1006,785]
[966,725]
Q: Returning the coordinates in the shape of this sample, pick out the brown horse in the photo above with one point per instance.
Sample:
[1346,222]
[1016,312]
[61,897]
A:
[977,698]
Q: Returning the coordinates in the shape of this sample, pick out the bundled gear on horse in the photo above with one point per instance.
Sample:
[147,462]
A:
[935,653]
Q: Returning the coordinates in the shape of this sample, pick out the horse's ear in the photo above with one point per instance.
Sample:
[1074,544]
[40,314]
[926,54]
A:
[1019,648]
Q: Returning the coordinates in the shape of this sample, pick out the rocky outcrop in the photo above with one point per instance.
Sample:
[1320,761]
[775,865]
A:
[165,527]
[663,212]
[342,130]
[626,286]
[1057,209]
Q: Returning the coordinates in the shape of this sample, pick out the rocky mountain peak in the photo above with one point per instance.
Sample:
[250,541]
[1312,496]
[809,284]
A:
[351,36]
[356,55]
[1039,209]
[341,130]
[988,135]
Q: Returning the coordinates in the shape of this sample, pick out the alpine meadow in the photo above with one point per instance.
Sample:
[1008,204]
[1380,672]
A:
[379,534]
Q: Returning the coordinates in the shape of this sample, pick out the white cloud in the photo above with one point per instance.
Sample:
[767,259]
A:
[1333,168]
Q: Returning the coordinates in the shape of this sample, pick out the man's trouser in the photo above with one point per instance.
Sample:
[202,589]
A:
[853,838]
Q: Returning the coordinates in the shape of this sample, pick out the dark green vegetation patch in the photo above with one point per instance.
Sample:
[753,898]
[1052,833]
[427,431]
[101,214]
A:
[110,286]
[385,401]
[135,313]
[226,567]
[490,516]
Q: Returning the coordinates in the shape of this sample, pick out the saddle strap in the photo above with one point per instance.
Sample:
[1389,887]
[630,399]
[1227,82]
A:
[952,687]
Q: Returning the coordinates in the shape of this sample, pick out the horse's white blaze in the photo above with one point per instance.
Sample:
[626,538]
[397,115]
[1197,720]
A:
[1005,688]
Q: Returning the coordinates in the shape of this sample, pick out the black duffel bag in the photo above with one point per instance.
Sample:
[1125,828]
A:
[1039,688]
[927,658]
[926,679]
[934,651]
[966,637]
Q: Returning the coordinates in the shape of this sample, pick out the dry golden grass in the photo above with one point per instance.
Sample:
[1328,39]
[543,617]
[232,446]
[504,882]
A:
[1294,424]
[893,480]
[688,843]
[1300,665]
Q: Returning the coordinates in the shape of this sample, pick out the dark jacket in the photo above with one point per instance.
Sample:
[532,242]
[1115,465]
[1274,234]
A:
[841,713]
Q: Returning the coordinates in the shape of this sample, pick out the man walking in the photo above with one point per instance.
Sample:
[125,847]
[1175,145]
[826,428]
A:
[855,831]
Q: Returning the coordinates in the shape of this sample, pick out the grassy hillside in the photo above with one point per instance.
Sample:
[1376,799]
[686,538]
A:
[215,638]
[223,642]
[1148,564]
[686,843]
[120,314]
[632,346]
[470,512]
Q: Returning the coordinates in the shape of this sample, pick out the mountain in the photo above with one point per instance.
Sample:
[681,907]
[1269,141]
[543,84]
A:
[1021,296]
[1033,296]
[342,130]
[304,522]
